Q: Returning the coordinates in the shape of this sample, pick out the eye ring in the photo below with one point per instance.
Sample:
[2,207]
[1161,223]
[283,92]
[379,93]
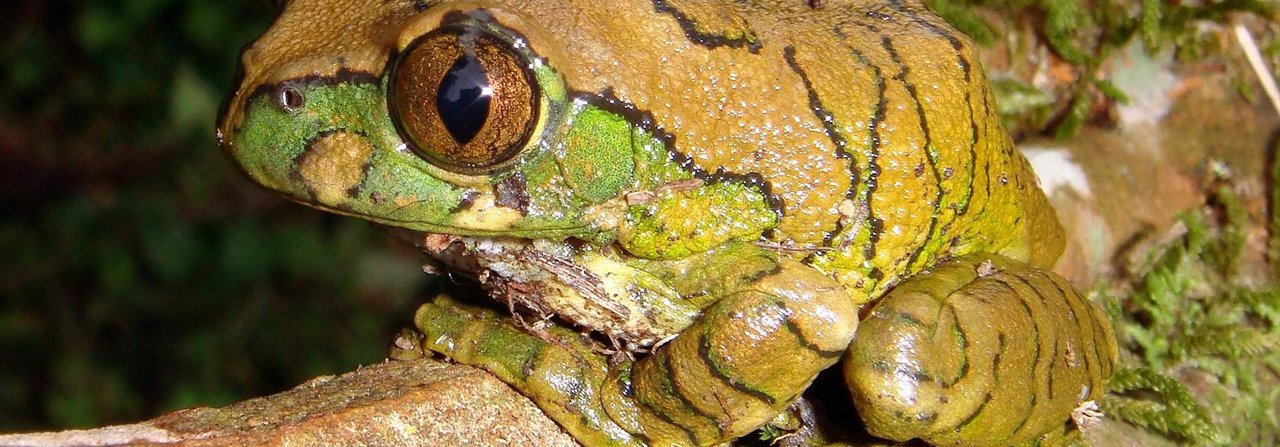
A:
[290,98]
[464,100]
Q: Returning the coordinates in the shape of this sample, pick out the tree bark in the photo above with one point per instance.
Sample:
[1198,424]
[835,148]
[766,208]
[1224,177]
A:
[405,403]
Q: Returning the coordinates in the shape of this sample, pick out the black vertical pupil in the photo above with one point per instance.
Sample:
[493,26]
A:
[463,98]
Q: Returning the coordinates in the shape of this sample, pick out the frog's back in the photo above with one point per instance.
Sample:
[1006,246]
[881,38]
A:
[870,121]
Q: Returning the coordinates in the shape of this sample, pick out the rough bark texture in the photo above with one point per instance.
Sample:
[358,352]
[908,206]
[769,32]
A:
[421,402]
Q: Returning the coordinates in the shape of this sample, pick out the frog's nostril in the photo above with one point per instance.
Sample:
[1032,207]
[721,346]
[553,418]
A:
[290,98]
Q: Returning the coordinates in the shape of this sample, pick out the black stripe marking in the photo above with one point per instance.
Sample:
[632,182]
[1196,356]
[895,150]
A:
[1093,330]
[986,399]
[1082,327]
[811,346]
[825,117]
[986,168]
[1095,343]
[911,320]
[903,72]
[623,379]
[704,351]
[995,381]
[1053,368]
[643,120]
[964,349]
[679,393]
[652,409]
[955,42]
[804,341]
[973,135]
[1031,316]
[1053,354]
[875,224]
[711,41]
[828,123]
[967,68]
[918,374]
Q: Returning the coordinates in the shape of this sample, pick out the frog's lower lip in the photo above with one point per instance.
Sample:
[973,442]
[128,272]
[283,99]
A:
[437,244]
[554,233]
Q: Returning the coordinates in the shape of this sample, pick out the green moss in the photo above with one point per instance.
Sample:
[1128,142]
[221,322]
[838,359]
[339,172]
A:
[1200,335]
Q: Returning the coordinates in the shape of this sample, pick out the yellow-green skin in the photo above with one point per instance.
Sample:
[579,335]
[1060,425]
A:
[740,178]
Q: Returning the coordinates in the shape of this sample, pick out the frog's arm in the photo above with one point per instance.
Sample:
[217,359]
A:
[559,372]
[982,350]
[751,354]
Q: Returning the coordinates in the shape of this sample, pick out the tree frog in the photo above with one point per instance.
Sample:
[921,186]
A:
[735,195]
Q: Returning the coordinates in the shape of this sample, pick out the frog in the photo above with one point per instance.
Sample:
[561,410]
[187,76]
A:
[728,197]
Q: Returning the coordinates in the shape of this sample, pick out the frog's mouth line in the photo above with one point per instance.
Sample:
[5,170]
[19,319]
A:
[426,227]
[560,233]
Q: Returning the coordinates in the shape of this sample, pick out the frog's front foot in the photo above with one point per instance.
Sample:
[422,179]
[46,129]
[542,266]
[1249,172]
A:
[745,360]
[556,369]
[980,351]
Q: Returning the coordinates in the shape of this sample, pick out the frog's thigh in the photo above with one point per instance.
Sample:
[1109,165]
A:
[978,354]
[745,360]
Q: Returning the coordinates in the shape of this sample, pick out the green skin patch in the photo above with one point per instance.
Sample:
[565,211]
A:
[274,140]
[600,156]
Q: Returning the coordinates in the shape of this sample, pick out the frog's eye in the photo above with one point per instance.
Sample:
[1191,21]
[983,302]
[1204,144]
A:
[463,99]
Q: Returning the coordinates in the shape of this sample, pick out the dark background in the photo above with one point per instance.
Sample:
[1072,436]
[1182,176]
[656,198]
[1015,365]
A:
[140,272]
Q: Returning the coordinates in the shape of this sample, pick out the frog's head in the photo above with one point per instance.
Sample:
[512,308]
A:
[449,119]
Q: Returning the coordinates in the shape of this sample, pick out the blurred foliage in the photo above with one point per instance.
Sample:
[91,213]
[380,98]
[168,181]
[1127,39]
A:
[1085,34]
[142,272]
[1201,363]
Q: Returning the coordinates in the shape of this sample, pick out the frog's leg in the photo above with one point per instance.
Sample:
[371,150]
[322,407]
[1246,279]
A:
[751,353]
[980,351]
[558,371]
